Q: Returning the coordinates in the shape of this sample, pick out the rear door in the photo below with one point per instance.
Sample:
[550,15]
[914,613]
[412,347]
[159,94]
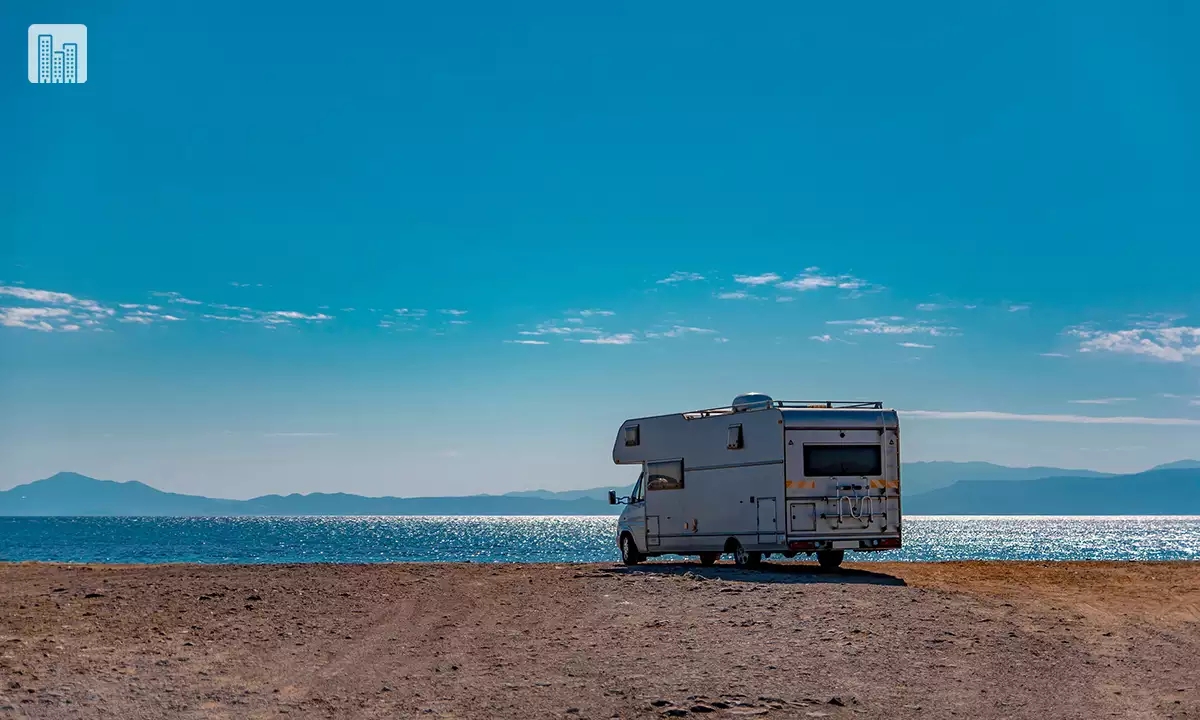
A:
[836,482]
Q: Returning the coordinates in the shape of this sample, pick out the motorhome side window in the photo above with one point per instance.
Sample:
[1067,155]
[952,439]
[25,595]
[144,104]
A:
[666,475]
[639,490]
[842,460]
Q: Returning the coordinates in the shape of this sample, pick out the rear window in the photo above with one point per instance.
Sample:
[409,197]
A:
[840,460]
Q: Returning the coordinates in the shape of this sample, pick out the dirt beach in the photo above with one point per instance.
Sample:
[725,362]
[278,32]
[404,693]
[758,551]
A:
[880,640]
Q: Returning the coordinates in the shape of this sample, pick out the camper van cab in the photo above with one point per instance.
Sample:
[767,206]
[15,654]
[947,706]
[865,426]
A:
[761,476]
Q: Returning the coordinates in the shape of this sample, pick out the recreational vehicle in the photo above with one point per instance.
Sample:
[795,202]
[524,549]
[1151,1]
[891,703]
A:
[761,476]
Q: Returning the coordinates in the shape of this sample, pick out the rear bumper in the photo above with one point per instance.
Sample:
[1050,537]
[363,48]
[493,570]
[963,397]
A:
[857,544]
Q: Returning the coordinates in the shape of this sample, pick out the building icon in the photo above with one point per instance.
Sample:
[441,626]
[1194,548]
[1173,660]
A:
[70,62]
[57,54]
[45,53]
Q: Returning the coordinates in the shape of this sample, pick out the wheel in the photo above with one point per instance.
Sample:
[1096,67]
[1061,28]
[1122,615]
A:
[830,559]
[629,551]
[709,558]
[744,558]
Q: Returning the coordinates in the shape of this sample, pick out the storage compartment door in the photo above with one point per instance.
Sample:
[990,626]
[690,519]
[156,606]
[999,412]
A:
[802,517]
[768,520]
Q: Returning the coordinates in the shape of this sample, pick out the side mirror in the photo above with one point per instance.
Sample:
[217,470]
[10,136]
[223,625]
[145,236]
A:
[612,497]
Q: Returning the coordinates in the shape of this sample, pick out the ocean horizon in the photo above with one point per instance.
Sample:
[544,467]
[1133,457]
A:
[547,539]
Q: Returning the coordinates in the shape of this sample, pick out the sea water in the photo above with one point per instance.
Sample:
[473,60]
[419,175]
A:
[546,539]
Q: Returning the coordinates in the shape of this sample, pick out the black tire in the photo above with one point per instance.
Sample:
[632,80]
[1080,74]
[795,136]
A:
[709,558]
[744,558]
[629,551]
[830,559]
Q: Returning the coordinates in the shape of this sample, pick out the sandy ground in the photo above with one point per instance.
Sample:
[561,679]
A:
[895,640]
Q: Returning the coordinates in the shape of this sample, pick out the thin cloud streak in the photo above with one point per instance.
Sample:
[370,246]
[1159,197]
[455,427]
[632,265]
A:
[755,280]
[1103,401]
[614,339]
[299,434]
[1029,417]
[679,276]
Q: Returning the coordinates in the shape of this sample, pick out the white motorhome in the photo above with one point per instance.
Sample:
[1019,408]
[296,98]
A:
[762,476]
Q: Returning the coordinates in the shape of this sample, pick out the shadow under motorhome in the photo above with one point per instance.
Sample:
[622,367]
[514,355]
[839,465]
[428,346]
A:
[762,476]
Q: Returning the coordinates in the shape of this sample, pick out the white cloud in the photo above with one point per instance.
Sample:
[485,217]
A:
[49,319]
[245,285]
[821,338]
[527,342]
[614,339]
[889,326]
[1162,341]
[679,276]
[1024,417]
[736,295]
[721,339]
[1054,355]
[812,279]
[931,307]
[39,319]
[174,297]
[914,345]
[460,322]
[784,298]
[1017,308]
[407,312]
[293,315]
[269,318]
[145,317]
[680,330]
[755,280]
[596,313]
[551,327]
[48,297]
[1102,401]
[455,313]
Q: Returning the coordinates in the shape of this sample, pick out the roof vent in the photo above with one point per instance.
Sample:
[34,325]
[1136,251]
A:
[751,401]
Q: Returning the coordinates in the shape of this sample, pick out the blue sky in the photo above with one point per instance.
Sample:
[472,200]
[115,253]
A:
[448,248]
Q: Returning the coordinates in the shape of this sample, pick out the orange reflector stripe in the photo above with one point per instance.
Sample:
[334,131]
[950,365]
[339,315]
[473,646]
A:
[801,484]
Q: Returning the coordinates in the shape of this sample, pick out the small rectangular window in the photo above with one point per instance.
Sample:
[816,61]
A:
[632,436]
[735,437]
[666,475]
[842,460]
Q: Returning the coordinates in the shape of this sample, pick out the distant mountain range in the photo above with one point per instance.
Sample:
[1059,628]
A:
[930,488]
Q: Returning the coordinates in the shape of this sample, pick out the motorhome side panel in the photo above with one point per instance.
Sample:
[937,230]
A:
[720,503]
[728,462]
[704,442]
